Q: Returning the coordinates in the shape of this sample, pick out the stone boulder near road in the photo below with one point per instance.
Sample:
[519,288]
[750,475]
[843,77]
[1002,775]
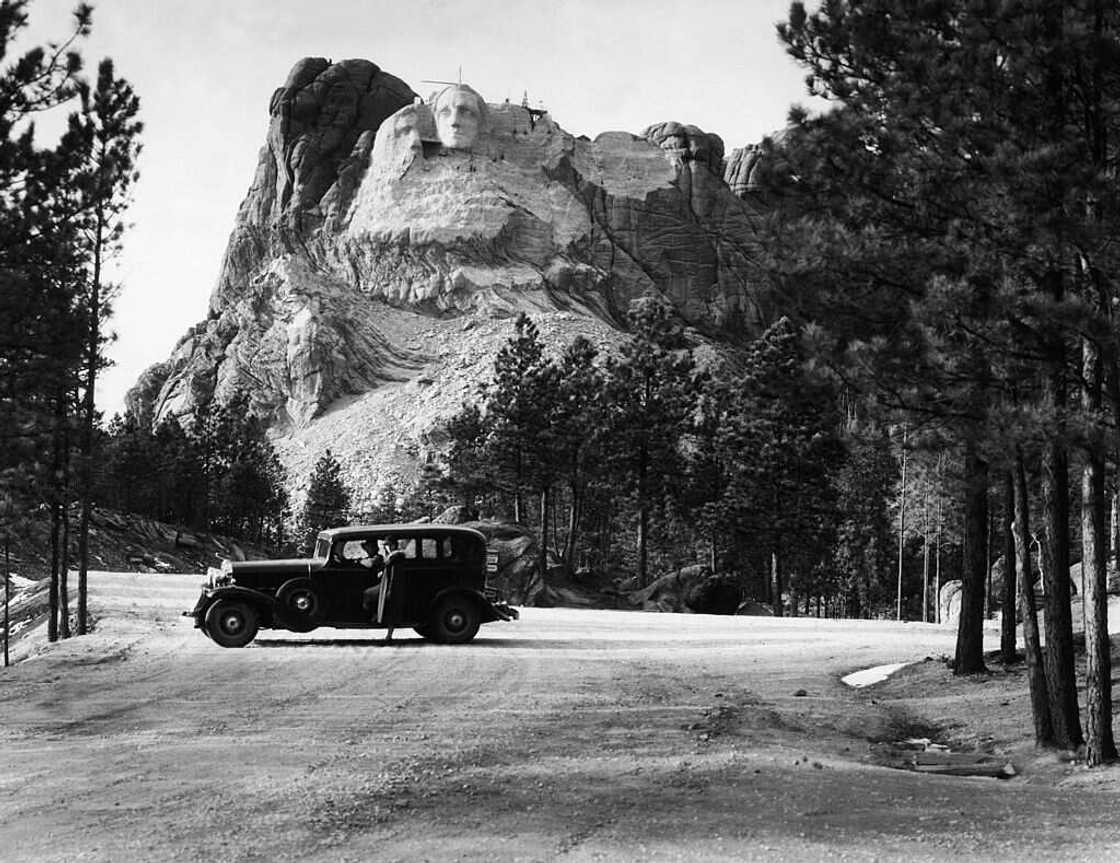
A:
[692,589]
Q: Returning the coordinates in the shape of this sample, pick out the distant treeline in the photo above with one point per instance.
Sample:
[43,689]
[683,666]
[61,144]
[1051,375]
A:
[630,465]
[218,474]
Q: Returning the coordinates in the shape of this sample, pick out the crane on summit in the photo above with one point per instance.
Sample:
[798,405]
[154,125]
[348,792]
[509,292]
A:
[534,113]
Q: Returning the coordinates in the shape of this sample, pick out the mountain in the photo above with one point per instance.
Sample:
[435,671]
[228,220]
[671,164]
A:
[387,242]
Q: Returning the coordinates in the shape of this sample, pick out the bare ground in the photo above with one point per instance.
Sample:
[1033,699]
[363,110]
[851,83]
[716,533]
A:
[571,734]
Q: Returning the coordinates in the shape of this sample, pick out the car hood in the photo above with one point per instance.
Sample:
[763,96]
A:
[247,570]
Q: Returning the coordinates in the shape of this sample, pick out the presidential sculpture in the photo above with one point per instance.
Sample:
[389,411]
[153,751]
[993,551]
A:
[460,115]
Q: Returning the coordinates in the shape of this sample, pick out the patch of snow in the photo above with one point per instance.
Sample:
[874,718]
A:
[868,676]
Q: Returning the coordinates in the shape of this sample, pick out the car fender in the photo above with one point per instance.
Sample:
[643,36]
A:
[489,611]
[263,602]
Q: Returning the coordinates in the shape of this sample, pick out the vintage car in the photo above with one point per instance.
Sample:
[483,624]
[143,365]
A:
[435,582]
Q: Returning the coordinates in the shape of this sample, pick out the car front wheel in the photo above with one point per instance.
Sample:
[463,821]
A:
[454,621]
[298,604]
[232,624]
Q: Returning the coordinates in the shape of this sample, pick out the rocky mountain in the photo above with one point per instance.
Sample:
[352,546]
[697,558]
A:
[386,243]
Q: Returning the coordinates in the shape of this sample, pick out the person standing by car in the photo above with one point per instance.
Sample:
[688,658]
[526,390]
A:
[374,561]
[381,563]
[392,585]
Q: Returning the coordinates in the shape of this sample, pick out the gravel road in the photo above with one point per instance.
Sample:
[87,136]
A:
[574,735]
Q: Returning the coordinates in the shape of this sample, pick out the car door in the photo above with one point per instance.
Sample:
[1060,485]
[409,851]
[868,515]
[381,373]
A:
[343,582]
[429,569]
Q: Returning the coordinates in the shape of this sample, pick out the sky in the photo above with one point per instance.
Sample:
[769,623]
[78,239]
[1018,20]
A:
[206,69]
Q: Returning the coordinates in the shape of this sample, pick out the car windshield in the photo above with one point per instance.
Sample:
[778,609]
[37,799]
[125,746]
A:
[322,547]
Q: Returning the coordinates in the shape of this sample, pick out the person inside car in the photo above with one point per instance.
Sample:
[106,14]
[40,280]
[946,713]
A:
[374,561]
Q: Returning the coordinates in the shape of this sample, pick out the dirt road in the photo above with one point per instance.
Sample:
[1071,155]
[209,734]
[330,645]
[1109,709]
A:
[574,735]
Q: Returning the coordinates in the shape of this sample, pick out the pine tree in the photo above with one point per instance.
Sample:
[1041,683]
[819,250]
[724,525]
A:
[961,194]
[106,132]
[327,504]
[780,445]
[864,485]
[648,401]
[468,471]
[577,440]
[517,412]
[250,499]
[40,265]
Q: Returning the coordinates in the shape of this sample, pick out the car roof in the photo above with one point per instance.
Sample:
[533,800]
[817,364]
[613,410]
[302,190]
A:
[360,531]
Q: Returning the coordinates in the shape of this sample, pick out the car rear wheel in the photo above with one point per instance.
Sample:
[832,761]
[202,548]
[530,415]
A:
[298,605]
[232,624]
[455,620]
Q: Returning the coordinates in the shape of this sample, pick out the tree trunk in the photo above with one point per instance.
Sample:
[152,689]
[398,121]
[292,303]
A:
[575,513]
[643,535]
[937,555]
[52,592]
[901,526]
[58,501]
[1100,745]
[1113,540]
[1054,551]
[988,568]
[606,532]
[88,414]
[542,557]
[1007,604]
[7,594]
[1060,676]
[64,540]
[64,576]
[1036,675]
[643,517]
[925,578]
[776,581]
[969,657]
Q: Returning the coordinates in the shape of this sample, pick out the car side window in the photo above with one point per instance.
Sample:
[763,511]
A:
[350,552]
[408,546]
[429,548]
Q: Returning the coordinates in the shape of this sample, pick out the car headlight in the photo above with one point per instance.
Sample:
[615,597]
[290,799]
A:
[220,577]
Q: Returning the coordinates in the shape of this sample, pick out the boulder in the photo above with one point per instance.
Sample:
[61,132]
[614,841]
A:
[753,608]
[692,589]
[518,575]
[717,594]
[458,514]
[950,602]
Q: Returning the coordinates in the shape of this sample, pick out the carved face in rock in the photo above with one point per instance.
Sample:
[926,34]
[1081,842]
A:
[400,139]
[460,115]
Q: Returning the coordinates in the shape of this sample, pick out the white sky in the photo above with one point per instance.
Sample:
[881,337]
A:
[206,69]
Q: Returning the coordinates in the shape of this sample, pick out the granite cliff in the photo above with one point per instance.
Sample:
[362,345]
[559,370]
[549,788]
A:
[386,243]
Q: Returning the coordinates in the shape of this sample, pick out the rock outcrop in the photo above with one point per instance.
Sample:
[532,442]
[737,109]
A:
[691,589]
[380,256]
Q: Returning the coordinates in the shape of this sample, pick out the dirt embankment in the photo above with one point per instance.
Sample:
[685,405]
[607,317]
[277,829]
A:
[118,542]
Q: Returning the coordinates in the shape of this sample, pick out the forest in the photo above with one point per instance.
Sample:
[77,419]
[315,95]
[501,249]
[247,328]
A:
[941,392]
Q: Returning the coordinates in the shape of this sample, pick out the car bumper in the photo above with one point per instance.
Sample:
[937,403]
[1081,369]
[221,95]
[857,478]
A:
[504,611]
[199,610]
